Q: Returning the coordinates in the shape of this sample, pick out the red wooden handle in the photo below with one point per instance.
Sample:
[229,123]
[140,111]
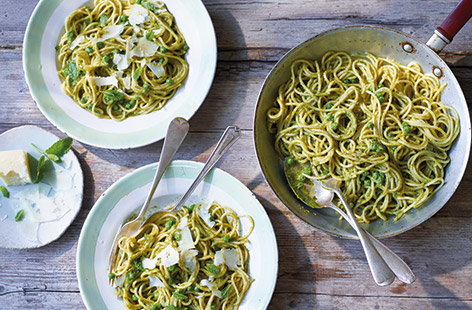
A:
[456,20]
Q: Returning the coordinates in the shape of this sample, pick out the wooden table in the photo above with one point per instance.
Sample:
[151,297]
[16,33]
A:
[316,270]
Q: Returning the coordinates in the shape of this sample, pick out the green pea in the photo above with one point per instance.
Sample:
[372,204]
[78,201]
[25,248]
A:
[406,128]
[170,222]
[100,44]
[334,126]
[185,47]
[370,125]
[134,297]
[111,275]
[115,107]
[106,59]
[307,170]
[380,97]
[171,268]
[226,238]
[161,61]
[351,81]
[146,87]
[149,35]
[324,171]
[156,306]
[177,236]
[123,18]
[330,117]
[162,49]
[290,160]
[89,49]
[102,20]
[329,106]
[367,183]
[170,81]
[394,147]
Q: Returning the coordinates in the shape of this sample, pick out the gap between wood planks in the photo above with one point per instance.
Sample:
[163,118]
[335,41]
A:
[44,289]
[461,59]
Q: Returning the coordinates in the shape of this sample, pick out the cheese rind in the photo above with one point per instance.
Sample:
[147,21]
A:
[14,167]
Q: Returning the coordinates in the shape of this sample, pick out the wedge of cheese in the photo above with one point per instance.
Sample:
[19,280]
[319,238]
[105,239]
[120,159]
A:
[14,167]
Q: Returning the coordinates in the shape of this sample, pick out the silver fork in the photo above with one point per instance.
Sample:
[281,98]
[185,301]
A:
[176,133]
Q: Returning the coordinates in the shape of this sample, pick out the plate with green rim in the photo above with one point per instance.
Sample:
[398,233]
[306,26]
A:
[126,195]
[39,63]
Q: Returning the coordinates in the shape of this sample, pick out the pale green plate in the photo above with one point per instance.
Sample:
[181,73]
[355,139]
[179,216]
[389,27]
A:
[39,63]
[129,193]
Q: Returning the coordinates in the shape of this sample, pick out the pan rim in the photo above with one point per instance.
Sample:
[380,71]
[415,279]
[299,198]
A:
[447,71]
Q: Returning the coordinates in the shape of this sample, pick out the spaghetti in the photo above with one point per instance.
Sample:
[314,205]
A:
[122,58]
[192,259]
[376,126]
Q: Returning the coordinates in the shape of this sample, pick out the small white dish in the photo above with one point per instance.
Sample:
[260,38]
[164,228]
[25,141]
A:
[39,63]
[128,194]
[62,183]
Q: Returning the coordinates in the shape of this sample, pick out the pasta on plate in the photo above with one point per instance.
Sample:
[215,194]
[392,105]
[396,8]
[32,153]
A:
[122,58]
[193,259]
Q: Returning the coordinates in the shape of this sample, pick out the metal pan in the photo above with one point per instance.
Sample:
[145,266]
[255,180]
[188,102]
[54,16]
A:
[385,43]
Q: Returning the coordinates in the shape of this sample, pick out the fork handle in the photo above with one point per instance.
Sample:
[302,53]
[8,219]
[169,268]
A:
[176,133]
[382,274]
[230,136]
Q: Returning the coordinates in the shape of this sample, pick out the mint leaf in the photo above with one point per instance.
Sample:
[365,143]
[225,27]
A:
[5,192]
[20,215]
[43,160]
[59,149]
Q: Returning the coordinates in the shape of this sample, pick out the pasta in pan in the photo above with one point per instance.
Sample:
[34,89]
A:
[376,126]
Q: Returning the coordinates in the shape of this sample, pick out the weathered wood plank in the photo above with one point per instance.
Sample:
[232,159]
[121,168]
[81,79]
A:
[231,100]
[280,301]
[283,24]
[310,261]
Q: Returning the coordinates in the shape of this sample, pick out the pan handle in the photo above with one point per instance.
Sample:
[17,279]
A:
[444,34]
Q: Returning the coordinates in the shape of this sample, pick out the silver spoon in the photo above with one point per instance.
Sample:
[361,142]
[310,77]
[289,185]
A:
[176,132]
[324,198]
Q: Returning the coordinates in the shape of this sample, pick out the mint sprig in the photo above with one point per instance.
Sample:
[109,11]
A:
[53,153]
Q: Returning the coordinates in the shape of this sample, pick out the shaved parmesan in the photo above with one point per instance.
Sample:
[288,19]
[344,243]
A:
[136,14]
[169,256]
[119,280]
[204,212]
[186,242]
[77,41]
[144,48]
[111,32]
[229,257]
[155,281]
[212,286]
[121,61]
[126,82]
[149,263]
[190,260]
[158,4]
[158,70]
[103,81]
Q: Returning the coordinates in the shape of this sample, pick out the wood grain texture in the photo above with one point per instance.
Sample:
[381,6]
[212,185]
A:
[316,271]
